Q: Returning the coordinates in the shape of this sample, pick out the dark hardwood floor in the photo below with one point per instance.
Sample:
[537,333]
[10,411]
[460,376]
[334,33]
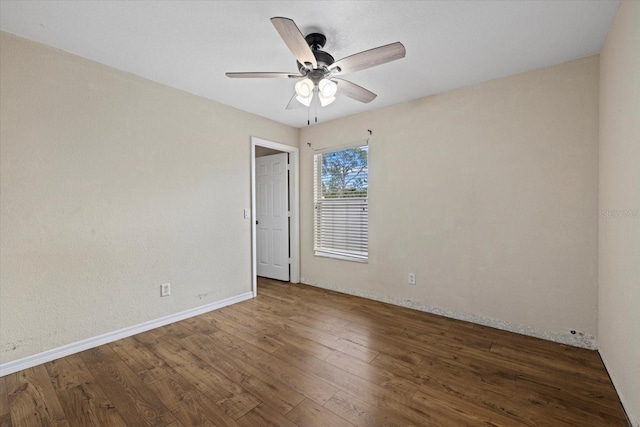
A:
[302,356]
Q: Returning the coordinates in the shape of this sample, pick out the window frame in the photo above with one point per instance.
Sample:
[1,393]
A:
[318,200]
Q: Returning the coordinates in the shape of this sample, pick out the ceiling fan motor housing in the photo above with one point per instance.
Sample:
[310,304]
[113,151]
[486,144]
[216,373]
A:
[316,41]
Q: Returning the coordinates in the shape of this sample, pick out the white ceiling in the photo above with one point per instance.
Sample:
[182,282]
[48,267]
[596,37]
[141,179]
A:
[191,44]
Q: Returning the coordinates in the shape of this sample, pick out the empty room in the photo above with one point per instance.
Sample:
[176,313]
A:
[320,213]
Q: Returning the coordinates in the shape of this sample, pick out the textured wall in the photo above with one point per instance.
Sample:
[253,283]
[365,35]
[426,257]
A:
[110,186]
[488,194]
[619,229]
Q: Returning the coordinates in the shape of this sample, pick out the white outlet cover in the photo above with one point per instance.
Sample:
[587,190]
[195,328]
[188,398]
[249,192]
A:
[165,289]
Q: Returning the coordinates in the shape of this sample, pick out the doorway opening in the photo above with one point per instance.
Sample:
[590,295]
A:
[261,148]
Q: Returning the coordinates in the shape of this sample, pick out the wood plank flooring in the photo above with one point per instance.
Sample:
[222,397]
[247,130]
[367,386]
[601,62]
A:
[302,356]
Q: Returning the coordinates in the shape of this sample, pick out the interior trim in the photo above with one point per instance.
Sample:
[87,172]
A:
[76,347]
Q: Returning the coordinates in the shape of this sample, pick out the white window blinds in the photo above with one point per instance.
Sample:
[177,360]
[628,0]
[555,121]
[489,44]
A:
[341,214]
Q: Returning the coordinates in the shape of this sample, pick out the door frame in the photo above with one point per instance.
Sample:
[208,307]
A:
[294,197]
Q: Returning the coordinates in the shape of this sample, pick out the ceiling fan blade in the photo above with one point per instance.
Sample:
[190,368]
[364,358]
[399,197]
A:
[294,39]
[352,90]
[370,58]
[251,75]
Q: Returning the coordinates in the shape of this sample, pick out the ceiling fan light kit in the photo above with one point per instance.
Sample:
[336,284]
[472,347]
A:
[318,69]
[326,91]
[327,87]
[304,90]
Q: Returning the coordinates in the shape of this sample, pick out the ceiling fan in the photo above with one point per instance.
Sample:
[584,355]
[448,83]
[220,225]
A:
[318,70]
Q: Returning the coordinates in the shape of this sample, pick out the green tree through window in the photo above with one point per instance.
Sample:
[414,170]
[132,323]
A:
[344,173]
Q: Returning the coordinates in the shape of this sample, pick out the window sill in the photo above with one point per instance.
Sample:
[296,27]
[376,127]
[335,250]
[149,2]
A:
[341,257]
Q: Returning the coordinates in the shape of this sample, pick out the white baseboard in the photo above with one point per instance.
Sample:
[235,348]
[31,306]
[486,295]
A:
[76,347]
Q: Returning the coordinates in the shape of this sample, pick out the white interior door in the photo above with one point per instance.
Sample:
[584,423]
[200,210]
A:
[272,222]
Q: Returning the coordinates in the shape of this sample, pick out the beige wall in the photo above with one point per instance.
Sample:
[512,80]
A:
[619,228]
[488,194]
[110,186]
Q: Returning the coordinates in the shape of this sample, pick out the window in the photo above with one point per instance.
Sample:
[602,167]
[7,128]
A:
[341,217]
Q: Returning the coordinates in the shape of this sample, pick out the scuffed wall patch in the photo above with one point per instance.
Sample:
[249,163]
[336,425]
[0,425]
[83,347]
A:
[12,346]
[577,340]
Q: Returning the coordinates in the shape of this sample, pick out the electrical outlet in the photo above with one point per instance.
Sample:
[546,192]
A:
[165,289]
[412,278]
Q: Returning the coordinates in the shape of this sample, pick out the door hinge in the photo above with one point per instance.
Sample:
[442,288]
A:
[289,214]
[289,260]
